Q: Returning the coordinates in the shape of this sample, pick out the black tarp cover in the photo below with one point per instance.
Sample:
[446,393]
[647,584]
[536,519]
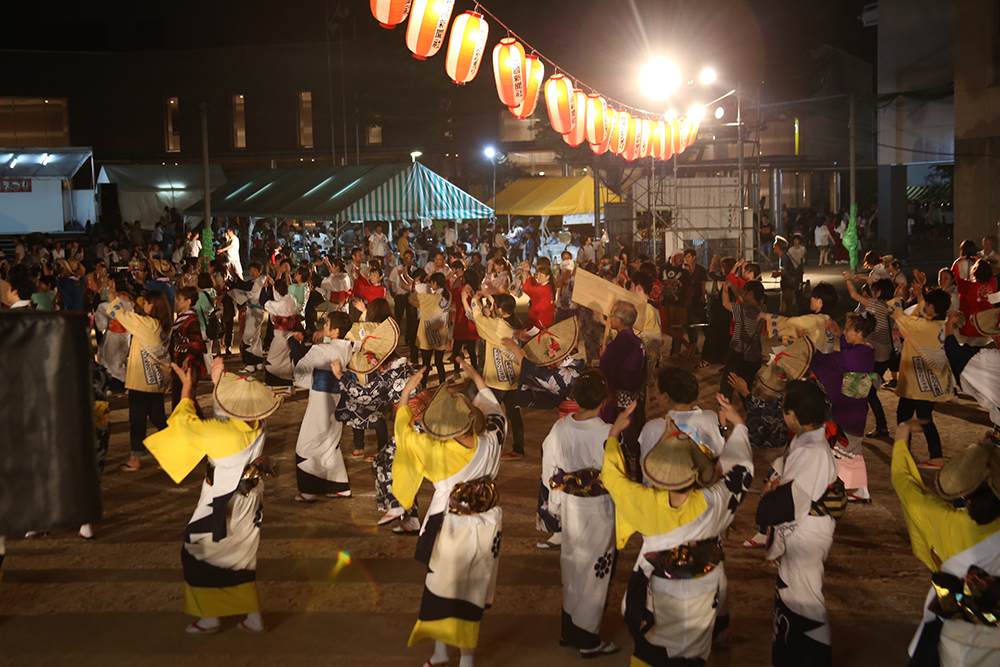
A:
[48,468]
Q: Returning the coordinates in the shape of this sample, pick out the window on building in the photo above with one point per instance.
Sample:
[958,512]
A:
[374,135]
[239,123]
[30,121]
[306,120]
[173,131]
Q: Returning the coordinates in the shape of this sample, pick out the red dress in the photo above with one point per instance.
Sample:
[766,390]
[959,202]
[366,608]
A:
[464,328]
[543,304]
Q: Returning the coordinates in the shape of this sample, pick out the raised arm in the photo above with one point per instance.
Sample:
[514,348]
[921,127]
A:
[860,298]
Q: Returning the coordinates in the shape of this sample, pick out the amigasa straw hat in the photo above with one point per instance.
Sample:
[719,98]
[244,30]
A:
[676,461]
[550,346]
[450,414]
[965,473]
[987,322]
[375,348]
[244,398]
[790,364]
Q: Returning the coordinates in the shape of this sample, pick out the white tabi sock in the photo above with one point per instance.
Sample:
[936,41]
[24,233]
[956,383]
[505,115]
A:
[440,653]
[254,622]
[466,661]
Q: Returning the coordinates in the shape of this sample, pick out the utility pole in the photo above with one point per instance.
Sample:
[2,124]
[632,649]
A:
[203,107]
[329,83]
[747,252]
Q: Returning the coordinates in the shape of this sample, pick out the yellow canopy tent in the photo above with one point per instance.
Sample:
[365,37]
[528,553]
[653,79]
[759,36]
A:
[550,195]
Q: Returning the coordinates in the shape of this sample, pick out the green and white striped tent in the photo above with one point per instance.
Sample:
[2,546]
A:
[361,193]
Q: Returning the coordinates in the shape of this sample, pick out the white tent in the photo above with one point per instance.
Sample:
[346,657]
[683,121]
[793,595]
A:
[145,189]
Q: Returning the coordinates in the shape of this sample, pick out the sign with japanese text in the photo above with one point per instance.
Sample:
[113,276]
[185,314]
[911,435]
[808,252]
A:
[15,185]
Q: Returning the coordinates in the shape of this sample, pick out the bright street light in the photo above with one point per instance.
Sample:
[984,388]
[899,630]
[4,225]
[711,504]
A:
[671,114]
[13,162]
[719,113]
[490,152]
[414,155]
[658,78]
[697,112]
[707,76]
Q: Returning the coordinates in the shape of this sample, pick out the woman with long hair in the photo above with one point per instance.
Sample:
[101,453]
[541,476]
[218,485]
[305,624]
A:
[147,376]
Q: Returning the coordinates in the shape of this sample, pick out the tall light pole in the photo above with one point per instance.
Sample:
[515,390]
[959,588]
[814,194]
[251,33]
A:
[491,155]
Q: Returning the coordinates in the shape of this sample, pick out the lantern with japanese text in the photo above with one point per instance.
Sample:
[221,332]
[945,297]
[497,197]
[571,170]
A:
[693,134]
[658,139]
[578,134]
[561,103]
[643,138]
[619,133]
[610,116]
[534,74]
[596,112]
[390,13]
[633,134]
[508,70]
[685,131]
[427,26]
[465,47]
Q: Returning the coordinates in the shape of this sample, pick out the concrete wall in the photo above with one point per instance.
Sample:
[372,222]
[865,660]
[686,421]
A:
[977,120]
[40,210]
[916,52]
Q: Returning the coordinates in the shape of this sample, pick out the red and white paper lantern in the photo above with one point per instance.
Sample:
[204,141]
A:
[427,26]
[561,103]
[534,75]
[465,47]
[508,71]
[390,13]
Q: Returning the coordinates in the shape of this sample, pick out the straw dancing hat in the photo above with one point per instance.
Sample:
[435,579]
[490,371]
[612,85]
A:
[550,346]
[987,322]
[965,473]
[245,398]
[676,461]
[376,347]
[790,364]
[450,414]
[72,266]
[163,267]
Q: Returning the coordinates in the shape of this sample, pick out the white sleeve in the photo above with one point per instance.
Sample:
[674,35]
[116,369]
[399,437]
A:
[650,435]
[487,402]
[304,369]
[807,470]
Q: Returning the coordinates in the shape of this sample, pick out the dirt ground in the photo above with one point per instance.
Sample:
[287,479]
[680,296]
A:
[118,599]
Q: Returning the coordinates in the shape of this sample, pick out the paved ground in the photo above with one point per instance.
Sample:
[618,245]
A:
[118,600]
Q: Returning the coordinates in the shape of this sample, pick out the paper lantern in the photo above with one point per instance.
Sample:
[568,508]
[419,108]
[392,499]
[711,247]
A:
[427,25]
[684,130]
[534,74]
[610,116]
[632,135]
[578,134]
[658,139]
[675,137]
[390,13]
[596,112]
[693,135]
[561,103]
[619,133]
[643,138]
[465,47]
[508,70]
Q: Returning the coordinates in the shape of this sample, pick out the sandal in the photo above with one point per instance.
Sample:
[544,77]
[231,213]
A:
[511,455]
[702,364]
[195,629]
[605,648]
[299,498]
[127,468]
[357,453]
[370,458]
[254,631]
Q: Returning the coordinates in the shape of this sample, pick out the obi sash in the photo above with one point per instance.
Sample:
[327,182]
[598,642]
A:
[687,561]
[285,323]
[832,503]
[585,483]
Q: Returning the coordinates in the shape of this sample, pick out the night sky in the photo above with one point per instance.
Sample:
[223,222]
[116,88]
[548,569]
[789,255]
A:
[602,43]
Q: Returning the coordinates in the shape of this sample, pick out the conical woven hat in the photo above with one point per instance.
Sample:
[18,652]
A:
[376,347]
[550,346]
[163,267]
[244,398]
[676,461]
[987,322]
[451,414]
[73,266]
[965,473]
[790,364]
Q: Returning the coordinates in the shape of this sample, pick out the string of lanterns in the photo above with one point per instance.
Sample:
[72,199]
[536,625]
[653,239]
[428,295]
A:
[575,115]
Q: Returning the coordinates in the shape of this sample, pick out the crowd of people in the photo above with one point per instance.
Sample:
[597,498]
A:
[434,355]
